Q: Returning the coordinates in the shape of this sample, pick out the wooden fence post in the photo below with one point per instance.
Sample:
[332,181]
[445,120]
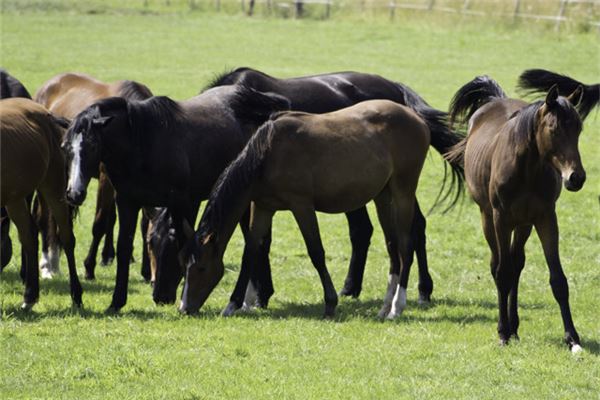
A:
[466,5]
[431,4]
[392,9]
[517,9]
[561,13]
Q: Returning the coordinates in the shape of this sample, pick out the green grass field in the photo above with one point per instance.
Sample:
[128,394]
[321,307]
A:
[446,350]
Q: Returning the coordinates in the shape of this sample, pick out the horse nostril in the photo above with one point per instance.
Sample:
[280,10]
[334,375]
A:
[576,180]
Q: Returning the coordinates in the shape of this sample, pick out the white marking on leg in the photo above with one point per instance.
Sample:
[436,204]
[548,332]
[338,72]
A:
[54,258]
[45,266]
[576,349]
[399,303]
[75,178]
[250,298]
[389,295]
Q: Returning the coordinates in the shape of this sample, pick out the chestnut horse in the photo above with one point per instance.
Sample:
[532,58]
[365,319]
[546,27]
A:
[516,155]
[334,163]
[67,95]
[31,159]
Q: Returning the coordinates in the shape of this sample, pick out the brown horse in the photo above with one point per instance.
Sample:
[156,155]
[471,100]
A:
[515,157]
[67,95]
[334,163]
[31,159]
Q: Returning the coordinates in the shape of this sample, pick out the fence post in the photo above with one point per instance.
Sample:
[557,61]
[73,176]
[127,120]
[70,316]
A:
[431,4]
[517,9]
[218,5]
[328,9]
[561,13]
[466,5]
[392,9]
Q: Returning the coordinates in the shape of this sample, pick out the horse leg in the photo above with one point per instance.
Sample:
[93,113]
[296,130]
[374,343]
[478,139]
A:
[260,288]
[145,270]
[418,245]
[505,273]
[547,230]
[62,216]
[128,214]
[309,226]
[260,225]
[385,214]
[404,204]
[21,216]
[108,249]
[5,241]
[517,252]
[49,265]
[487,224]
[361,230]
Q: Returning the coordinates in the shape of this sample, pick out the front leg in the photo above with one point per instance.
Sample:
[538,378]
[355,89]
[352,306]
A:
[128,214]
[504,275]
[547,230]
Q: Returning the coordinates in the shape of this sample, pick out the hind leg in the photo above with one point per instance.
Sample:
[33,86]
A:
[385,213]
[418,245]
[19,213]
[361,231]
[145,270]
[309,226]
[49,264]
[5,241]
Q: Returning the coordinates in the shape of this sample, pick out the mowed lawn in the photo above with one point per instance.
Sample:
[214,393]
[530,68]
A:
[446,350]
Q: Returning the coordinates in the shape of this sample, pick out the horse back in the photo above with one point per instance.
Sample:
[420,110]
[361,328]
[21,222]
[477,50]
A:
[29,143]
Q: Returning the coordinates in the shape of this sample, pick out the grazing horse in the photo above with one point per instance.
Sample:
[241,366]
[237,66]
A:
[334,163]
[537,81]
[67,95]
[9,87]
[31,159]
[159,152]
[516,155]
[330,92]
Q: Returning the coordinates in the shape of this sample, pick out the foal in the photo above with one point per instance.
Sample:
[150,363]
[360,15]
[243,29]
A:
[305,163]
[516,155]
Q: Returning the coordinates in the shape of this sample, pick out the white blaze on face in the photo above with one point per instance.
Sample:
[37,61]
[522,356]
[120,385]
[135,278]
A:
[75,178]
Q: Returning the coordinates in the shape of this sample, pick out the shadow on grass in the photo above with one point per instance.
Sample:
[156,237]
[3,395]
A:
[15,312]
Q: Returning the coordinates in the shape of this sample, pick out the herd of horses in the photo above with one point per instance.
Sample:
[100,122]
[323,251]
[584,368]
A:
[251,144]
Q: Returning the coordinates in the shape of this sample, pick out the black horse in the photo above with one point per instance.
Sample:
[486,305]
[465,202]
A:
[9,87]
[159,152]
[330,92]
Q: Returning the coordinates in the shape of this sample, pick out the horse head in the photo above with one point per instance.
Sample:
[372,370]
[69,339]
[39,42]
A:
[557,136]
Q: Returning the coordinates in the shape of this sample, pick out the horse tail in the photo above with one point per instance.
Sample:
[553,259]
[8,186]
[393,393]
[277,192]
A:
[231,193]
[255,107]
[472,96]
[442,139]
[537,81]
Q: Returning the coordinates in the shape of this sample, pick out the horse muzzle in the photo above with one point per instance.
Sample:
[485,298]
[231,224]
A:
[75,197]
[575,181]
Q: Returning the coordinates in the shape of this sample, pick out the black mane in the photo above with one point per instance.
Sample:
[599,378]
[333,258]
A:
[231,77]
[156,113]
[132,90]
[11,87]
[255,107]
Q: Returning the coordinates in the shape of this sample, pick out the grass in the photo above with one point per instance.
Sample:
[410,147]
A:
[446,350]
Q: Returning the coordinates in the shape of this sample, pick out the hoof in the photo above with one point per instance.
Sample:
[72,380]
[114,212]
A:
[349,292]
[89,277]
[107,261]
[112,310]
[503,342]
[46,273]
[576,349]
[229,310]
[27,306]
[384,312]
[424,300]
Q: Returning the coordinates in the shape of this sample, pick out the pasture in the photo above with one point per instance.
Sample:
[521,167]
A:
[445,350]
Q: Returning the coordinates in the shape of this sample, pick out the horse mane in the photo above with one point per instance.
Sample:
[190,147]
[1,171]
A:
[132,90]
[525,121]
[539,81]
[255,107]
[231,77]
[236,180]
[152,114]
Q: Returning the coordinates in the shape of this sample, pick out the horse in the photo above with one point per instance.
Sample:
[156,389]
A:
[330,92]
[537,81]
[516,155]
[334,162]
[9,87]
[159,152]
[66,95]
[31,159]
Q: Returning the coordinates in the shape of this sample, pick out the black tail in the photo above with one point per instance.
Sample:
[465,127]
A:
[537,81]
[472,96]
[255,107]
[442,139]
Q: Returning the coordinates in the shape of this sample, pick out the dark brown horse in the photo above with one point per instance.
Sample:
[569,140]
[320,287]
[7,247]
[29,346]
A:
[31,159]
[516,156]
[334,163]
[9,87]
[66,95]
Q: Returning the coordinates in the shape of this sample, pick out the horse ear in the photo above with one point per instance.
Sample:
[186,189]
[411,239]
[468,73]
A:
[102,121]
[187,229]
[208,238]
[552,95]
[576,97]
